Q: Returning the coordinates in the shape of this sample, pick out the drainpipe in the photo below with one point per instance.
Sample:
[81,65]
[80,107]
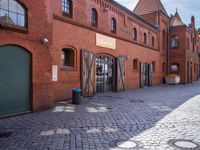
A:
[168,46]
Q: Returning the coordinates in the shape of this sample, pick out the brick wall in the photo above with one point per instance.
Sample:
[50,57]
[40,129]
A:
[39,26]
[182,54]
[45,19]
[77,33]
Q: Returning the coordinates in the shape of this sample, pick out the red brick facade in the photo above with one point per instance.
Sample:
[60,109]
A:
[73,36]
[46,20]
[186,54]
[39,26]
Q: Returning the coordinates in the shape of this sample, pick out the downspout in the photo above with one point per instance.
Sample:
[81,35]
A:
[168,46]
[158,25]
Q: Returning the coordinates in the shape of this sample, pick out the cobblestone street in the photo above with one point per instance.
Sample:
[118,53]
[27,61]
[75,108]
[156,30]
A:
[151,117]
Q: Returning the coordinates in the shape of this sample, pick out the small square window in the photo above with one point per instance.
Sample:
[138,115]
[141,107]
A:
[68,57]
[175,68]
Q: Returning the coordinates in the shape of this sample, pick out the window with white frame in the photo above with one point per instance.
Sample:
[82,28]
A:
[12,13]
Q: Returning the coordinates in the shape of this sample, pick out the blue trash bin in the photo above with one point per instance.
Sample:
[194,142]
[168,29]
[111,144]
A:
[76,96]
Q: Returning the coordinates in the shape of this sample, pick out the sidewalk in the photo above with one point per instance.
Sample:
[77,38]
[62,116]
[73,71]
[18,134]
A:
[149,118]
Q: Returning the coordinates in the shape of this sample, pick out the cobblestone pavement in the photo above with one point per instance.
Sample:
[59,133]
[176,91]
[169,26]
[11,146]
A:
[152,116]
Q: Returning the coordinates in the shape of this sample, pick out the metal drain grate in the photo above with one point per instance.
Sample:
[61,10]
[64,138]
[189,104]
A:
[136,101]
[121,144]
[184,144]
[5,134]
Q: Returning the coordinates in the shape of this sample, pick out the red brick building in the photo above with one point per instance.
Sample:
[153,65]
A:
[49,47]
[184,45]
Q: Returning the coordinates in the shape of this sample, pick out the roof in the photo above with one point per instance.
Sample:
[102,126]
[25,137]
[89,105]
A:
[148,6]
[131,13]
[176,20]
[126,10]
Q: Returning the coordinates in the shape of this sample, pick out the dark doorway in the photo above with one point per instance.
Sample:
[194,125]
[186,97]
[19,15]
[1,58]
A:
[145,75]
[104,73]
[191,73]
[197,72]
[188,72]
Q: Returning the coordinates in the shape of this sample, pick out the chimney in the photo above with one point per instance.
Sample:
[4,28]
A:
[193,21]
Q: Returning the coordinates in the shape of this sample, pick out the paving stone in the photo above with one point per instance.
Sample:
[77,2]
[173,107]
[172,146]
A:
[163,113]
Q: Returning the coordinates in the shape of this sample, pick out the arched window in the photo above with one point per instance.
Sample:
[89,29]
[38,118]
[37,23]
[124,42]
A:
[188,43]
[154,66]
[94,17]
[135,64]
[153,41]
[175,68]
[145,38]
[67,7]
[164,40]
[193,44]
[68,57]
[113,25]
[135,34]
[163,68]
[12,13]
[175,41]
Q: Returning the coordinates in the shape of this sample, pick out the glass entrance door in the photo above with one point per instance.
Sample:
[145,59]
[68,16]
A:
[104,73]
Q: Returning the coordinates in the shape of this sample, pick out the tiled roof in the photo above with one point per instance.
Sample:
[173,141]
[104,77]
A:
[125,9]
[149,6]
[176,20]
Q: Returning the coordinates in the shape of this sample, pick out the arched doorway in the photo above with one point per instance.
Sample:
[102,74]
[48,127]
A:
[15,63]
[188,72]
[146,74]
[105,73]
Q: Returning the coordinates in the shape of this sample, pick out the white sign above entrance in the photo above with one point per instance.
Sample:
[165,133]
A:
[105,41]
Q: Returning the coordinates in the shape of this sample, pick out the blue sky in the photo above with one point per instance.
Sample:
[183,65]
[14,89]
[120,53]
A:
[186,8]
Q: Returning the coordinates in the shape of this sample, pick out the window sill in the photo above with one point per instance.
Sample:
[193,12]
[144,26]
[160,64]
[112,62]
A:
[94,25]
[113,32]
[175,47]
[65,68]
[135,71]
[13,28]
[67,15]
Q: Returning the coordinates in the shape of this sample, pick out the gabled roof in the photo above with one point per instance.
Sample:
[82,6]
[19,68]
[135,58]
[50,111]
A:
[126,10]
[148,6]
[176,20]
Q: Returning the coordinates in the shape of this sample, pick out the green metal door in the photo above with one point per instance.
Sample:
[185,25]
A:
[14,80]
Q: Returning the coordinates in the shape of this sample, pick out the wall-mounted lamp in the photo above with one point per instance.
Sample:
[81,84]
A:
[44,41]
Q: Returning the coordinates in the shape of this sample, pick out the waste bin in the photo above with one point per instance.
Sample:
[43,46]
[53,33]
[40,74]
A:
[76,96]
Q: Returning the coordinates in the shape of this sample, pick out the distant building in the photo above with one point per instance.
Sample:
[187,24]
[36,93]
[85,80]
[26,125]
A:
[184,49]
[49,47]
